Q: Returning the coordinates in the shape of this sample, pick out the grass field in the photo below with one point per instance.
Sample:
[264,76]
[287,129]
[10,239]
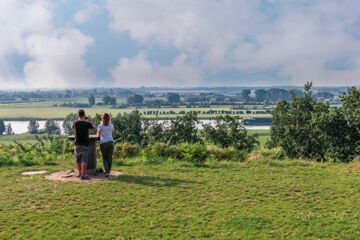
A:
[253,200]
[46,110]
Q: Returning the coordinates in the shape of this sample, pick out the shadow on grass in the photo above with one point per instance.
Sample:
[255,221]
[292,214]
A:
[153,181]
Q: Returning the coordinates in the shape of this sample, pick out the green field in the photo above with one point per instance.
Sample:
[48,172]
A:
[254,200]
[46,110]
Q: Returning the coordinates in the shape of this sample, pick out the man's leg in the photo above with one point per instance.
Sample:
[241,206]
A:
[83,169]
[77,159]
[85,157]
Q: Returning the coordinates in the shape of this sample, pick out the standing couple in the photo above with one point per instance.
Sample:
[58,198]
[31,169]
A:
[105,131]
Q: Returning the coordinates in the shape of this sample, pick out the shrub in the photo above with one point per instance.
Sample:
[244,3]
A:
[195,153]
[230,131]
[125,150]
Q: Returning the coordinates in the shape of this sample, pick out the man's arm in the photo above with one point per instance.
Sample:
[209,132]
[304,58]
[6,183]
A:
[91,123]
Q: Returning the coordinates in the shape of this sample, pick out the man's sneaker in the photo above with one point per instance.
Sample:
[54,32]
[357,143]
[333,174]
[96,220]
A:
[85,177]
[107,174]
[78,175]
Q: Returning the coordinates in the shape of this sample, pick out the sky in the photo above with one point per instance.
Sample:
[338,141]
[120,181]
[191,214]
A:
[185,43]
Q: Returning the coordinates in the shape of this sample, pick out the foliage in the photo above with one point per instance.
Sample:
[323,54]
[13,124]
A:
[229,131]
[183,129]
[309,129]
[33,126]
[135,99]
[52,127]
[128,128]
[49,150]
[173,97]
[245,95]
[107,100]
[2,127]
[68,122]
[195,153]
[91,100]
[8,130]
[125,150]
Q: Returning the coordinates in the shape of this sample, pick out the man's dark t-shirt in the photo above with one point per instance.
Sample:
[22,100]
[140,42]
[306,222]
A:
[82,132]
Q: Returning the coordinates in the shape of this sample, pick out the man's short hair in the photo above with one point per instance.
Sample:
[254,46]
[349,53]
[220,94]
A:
[81,113]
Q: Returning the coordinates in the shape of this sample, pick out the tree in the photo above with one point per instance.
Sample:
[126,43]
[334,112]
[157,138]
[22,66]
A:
[229,131]
[245,95]
[109,100]
[183,129]
[260,95]
[33,126]
[2,127]
[9,130]
[277,94]
[68,121]
[52,127]
[135,99]
[91,100]
[173,97]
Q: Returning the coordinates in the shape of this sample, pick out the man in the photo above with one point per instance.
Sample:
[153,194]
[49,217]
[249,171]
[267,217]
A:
[81,149]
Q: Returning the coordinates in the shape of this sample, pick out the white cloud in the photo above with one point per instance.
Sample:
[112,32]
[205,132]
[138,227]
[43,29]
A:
[85,14]
[294,38]
[55,54]
[139,72]
[57,60]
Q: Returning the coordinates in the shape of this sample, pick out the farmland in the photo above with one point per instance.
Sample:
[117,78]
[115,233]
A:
[52,109]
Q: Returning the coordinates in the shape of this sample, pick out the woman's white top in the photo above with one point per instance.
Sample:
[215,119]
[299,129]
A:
[106,133]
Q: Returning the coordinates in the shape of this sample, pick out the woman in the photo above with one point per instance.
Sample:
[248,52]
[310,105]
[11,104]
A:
[105,132]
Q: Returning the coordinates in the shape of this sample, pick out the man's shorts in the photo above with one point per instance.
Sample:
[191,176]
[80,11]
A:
[81,153]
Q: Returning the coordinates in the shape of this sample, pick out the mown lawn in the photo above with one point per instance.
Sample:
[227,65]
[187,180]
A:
[252,200]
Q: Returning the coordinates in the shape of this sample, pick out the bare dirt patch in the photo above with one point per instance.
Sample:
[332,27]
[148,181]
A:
[33,172]
[69,176]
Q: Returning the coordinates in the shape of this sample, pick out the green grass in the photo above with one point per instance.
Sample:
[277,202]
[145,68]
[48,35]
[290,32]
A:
[253,200]
[263,136]
[23,138]
[46,110]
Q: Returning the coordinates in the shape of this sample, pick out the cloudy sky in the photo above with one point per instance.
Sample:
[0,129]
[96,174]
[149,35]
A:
[184,43]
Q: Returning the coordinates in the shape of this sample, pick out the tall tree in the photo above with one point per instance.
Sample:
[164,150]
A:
[2,127]
[173,97]
[52,127]
[135,99]
[33,126]
[68,121]
[9,130]
[91,100]
[260,95]
[245,95]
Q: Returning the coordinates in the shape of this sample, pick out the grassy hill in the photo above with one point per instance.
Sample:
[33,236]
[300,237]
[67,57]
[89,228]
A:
[260,199]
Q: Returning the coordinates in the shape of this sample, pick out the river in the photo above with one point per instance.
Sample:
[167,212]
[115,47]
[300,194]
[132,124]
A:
[19,127]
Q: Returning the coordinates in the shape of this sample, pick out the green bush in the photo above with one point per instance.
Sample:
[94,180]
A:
[195,153]
[308,129]
[125,150]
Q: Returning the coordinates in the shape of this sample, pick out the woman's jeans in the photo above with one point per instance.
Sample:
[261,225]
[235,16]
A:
[107,150]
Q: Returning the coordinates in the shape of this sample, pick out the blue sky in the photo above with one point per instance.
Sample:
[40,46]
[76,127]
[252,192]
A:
[119,43]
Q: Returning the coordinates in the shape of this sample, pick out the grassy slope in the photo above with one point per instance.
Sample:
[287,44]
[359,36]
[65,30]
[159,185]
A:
[255,200]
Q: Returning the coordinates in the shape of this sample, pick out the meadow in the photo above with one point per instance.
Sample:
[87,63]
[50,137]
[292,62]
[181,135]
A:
[47,110]
[260,199]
